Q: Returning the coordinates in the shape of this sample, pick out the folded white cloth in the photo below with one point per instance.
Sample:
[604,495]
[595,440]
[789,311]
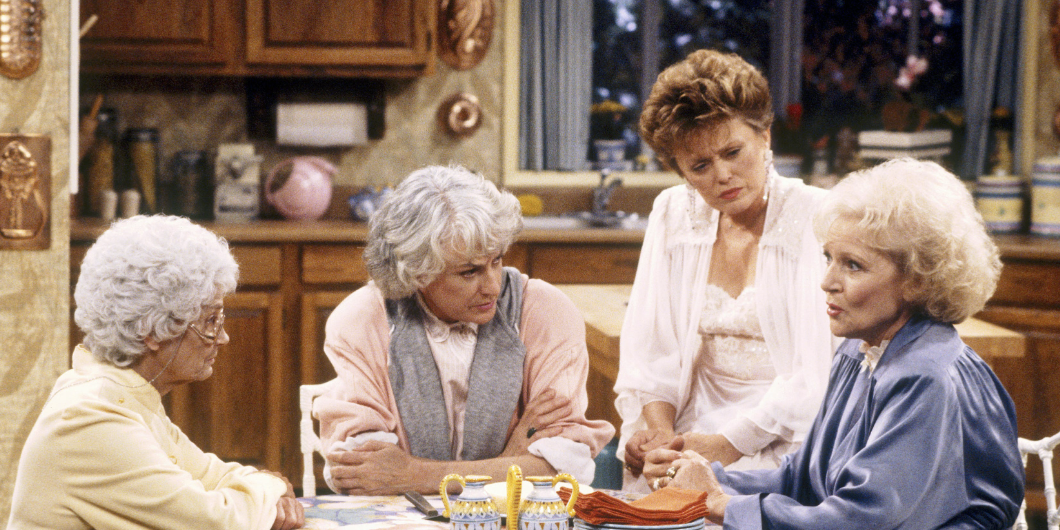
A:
[566,456]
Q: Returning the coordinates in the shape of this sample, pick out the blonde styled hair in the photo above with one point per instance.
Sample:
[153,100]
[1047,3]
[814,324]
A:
[924,218]
[703,90]
[437,215]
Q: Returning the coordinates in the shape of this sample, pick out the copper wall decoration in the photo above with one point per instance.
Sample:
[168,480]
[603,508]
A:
[460,115]
[20,37]
[1054,30]
[465,28]
[25,191]
[1054,41]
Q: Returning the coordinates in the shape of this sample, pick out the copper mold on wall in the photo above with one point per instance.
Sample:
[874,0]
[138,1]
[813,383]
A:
[460,115]
[465,28]
[25,191]
[20,37]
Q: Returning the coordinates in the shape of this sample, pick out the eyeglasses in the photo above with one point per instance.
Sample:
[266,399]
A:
[211,329]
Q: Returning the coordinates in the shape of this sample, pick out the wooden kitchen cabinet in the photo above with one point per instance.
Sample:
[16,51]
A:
[160,35]
[340,38]
[368,34]
[1028,300]
[583,262]
[231,412]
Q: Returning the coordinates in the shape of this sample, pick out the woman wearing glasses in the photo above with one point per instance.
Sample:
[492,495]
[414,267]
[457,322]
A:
[102,453]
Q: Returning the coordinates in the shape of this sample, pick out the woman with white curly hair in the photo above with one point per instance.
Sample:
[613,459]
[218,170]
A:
[450,362]
[915,431]
[103,454]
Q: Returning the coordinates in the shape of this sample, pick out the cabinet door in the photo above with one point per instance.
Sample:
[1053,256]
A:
[584,263]
[241,412]
[316,308]
[382,34]
[159,32]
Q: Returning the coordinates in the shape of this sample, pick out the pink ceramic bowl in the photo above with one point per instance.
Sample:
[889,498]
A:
[300,188]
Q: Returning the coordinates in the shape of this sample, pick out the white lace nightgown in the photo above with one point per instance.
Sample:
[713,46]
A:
[732,373]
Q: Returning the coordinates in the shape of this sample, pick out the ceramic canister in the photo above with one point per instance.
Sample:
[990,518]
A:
[1045,197]
[1000,201]
[474,508]
[543,509]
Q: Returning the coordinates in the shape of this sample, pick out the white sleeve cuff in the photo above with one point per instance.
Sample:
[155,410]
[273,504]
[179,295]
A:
[351,443]
[566,456]
[745,436]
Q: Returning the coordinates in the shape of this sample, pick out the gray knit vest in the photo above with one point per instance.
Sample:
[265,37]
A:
[494,385]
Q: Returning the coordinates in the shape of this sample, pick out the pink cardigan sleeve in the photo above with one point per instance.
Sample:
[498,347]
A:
[553,331]
[357,342]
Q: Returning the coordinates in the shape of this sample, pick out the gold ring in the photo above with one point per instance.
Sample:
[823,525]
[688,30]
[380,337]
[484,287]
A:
[671,472]
[655,484]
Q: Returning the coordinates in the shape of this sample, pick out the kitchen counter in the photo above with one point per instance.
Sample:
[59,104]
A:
[279,231]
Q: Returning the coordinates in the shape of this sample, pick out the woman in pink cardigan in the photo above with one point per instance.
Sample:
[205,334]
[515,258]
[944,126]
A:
[448,361]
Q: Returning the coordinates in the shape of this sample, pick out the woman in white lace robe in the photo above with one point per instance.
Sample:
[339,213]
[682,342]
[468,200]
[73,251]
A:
[725,349]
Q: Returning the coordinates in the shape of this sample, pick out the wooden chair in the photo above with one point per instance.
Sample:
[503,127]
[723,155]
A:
[1044,449]
[310,441]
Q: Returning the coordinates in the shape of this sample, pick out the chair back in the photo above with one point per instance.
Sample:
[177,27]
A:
[1044,449]
[310,440]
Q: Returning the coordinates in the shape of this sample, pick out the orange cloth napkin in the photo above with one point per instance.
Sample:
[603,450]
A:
[668,506]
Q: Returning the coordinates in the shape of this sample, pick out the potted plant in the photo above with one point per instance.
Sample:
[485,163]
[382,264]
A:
[607,123]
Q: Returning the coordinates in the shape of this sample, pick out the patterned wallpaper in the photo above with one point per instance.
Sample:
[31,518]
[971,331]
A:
[34,291]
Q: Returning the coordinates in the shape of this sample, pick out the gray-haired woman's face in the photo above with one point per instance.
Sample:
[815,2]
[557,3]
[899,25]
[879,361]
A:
[466,291]
[190,357]
[865,289]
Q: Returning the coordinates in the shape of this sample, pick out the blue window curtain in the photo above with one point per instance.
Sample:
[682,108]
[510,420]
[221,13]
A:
[556,83]
[785,54]
[991,75]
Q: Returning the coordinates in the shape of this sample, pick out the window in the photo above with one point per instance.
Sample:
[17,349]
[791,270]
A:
[852,53]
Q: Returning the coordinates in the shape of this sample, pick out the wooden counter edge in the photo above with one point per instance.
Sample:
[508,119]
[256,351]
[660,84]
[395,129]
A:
[338,231]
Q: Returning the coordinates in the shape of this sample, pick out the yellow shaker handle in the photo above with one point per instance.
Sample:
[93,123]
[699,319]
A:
[515,496]
[563,477]
[445,491]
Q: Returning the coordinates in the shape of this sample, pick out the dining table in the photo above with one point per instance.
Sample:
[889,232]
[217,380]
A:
[603,306]
[386,512]
[367,512]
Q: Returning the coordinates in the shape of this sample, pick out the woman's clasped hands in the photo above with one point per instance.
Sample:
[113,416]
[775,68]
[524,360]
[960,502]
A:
[653,452]
[289,512]
[643,443]
[692,472]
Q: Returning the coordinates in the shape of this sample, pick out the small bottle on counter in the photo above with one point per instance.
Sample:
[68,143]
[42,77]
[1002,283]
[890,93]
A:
[141,165]
[101,162]
[188,186]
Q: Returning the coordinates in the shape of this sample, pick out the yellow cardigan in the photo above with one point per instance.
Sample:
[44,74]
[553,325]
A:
[103,454]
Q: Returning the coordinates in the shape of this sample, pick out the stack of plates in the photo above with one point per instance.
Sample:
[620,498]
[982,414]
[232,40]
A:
[581,524]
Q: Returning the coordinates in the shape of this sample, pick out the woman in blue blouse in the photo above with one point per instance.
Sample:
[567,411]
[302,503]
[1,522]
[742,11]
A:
[915,431]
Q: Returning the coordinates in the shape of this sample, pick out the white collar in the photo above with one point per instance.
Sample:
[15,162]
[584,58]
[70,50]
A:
[872,354]
[439,330]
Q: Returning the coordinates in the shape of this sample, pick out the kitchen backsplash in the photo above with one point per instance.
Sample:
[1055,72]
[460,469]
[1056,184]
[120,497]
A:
[200,113]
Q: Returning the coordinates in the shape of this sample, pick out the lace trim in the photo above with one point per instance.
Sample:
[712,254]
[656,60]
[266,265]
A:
[872,354]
